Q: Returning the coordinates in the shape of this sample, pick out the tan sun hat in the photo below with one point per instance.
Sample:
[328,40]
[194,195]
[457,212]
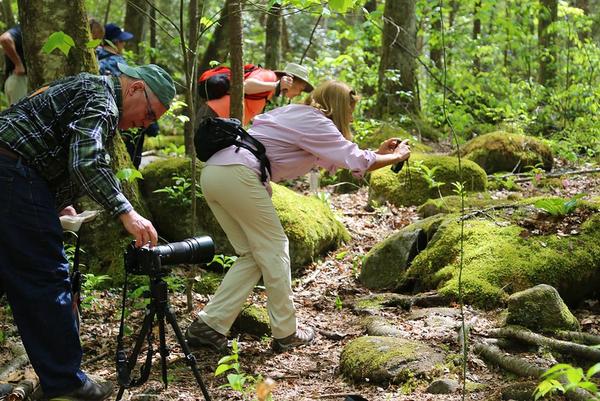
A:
[297,71]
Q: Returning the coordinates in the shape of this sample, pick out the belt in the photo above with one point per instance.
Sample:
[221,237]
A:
[9,153]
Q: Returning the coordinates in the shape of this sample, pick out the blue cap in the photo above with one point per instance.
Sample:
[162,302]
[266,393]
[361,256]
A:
[114,33]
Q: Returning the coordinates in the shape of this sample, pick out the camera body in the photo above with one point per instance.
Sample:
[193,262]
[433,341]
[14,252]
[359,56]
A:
[155,261]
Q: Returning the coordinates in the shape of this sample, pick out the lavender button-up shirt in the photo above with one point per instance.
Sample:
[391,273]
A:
[296,138]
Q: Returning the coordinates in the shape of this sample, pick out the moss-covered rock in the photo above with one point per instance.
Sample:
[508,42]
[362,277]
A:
[370,304]
[310,225]
[384,360]
[504,151]
[413,188]
[162,141]
[253,320]
[452,204]
[540,308]
[208,283]
[498,261]
[385,264]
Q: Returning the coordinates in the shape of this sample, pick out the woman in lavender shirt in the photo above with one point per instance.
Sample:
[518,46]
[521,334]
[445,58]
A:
[296,137]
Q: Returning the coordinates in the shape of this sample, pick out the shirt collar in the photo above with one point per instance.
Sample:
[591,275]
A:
[116,84]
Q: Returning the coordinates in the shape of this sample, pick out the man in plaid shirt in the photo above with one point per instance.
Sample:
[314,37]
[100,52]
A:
[53,149]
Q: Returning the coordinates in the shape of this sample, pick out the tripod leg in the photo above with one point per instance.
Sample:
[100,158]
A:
[164,351]
[189,357]
[132,360]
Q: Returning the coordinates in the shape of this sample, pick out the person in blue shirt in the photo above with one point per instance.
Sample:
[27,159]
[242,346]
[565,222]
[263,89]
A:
[109,55]
[111,52]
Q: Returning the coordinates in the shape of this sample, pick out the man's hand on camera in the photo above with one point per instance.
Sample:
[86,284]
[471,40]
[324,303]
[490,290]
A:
[141,228]
[68,211]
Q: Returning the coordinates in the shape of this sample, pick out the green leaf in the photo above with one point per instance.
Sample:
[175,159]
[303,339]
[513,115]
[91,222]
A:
[92,44]
[340,5]
[341,255]
[593,370]
[129,175]
[222,368]
[176,41]
[228,358]
[58,40]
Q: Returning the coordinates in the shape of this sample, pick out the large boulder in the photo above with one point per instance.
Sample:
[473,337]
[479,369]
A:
[501,257]
[310,225]
[504,151]
[383,360]
[540,308]
[386,263]
[414,186]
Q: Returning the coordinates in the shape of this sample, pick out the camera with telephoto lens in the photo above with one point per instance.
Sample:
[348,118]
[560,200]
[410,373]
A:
[155,261]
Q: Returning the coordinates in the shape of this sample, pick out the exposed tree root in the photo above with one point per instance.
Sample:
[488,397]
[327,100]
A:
[579,337]
[19,360]
[521,367]
[564,347]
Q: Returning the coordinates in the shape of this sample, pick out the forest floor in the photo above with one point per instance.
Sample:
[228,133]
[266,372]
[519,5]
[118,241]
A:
[310,372]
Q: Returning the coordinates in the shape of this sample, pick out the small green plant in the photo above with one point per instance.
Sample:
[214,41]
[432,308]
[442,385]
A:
[181,191]
[427,173]
[172,149]
[557,207]
[338,303]
[536,174]
[324,197]
[90,283]
[357,262]
[225,261]
[129,175]
[506,182]
[237,379]
[564,377]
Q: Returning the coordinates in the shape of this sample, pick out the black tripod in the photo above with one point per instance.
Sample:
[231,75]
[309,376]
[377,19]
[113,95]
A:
[157,308]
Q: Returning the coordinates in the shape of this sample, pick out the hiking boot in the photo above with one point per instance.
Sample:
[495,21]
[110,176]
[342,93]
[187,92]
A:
[90,391]
[201,334]
[302,336]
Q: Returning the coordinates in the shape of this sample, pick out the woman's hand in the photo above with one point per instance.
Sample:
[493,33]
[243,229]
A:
[388,146]
[402,151]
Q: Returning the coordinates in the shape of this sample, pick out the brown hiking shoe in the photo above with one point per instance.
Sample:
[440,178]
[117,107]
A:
[200,334]
[302,336]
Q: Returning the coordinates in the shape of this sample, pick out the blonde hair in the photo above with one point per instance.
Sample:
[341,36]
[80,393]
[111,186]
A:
[336,100]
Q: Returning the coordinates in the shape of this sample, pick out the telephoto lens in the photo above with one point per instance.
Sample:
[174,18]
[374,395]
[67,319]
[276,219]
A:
[191,250]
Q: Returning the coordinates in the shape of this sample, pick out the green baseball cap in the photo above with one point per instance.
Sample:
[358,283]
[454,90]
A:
[159,81]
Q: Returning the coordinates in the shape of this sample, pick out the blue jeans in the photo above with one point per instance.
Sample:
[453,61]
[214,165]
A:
[34,273]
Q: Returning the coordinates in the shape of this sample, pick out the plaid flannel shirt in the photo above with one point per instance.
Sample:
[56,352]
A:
[62,132]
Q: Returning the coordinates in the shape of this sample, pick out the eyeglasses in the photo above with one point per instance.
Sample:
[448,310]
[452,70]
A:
[151,115]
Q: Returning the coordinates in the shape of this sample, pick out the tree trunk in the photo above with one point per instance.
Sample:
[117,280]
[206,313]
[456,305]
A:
[397,72]
[546,42]
[435,50]
[273,38]
[7,14]
[135,22]
[217,48]
[585,6]
[153,33]
[285,40]
[476,34]
[237,56]
[39,20]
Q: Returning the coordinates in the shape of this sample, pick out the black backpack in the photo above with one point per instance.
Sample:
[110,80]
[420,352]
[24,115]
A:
[214,134]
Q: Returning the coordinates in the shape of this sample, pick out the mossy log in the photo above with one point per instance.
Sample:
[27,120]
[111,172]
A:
[19,359]
[564,347]
[521,367]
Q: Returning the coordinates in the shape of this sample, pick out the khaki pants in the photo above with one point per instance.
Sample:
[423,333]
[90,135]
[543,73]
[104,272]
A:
[245,211]
[15,87]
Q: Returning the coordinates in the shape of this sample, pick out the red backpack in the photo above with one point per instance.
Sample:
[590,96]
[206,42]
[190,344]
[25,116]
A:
[215,83]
